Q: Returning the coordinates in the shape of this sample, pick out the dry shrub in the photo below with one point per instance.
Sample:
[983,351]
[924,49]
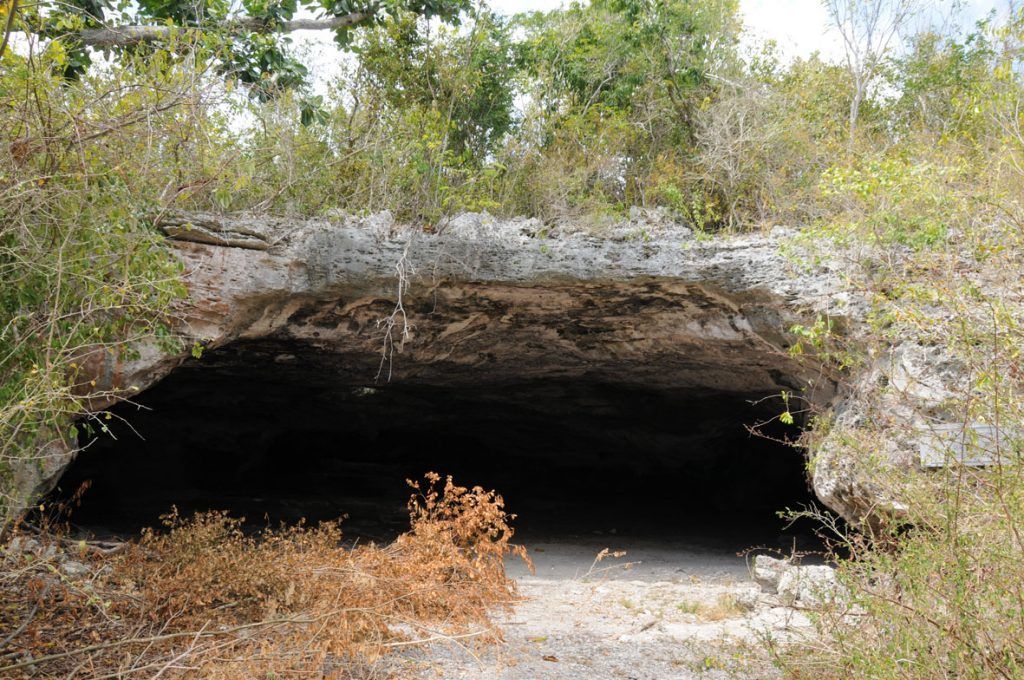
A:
[206,599]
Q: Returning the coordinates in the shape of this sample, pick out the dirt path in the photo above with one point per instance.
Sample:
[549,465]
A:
[663,611]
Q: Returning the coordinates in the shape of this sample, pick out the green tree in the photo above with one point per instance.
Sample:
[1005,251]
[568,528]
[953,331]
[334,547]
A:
[634,56]
[248,42]
[936,78]
[616,85]
[467,76]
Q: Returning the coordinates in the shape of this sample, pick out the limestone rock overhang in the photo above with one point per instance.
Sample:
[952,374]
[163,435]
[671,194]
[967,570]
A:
[485,301]
[495,300]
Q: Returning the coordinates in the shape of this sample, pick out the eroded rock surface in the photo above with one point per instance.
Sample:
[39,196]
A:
[647,303]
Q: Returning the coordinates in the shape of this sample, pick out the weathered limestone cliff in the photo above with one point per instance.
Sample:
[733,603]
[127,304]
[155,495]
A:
[498,303]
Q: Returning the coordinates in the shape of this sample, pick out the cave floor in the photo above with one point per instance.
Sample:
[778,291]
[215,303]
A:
[679,602]
[664,610]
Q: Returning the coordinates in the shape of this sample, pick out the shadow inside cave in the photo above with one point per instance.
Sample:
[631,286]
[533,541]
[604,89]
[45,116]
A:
[279,433]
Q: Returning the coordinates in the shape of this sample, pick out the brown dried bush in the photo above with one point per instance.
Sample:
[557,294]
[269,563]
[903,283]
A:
[206,599]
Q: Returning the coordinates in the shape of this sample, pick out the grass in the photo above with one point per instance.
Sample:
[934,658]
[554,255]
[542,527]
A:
[725,606]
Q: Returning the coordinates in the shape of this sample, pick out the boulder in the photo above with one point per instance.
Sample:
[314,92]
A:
[797,585]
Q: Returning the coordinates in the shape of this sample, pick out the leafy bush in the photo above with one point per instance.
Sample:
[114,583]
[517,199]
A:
[894,202]
[83,273]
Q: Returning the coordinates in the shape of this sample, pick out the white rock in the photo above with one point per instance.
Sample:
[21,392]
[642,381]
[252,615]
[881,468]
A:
[768,571]
[810,586]
[805,585]
[22,544]
[75,569]
[380,223]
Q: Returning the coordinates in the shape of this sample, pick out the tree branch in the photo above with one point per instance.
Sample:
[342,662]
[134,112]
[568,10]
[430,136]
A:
[12,11]
[125,36]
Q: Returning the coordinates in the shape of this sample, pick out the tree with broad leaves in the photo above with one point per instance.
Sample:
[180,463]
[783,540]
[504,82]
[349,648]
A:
[250,37]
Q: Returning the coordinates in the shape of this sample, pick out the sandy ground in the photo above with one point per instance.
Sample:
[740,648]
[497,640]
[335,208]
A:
[663,611]
[680,603]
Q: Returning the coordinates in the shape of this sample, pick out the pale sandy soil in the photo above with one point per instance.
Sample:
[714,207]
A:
[664,611]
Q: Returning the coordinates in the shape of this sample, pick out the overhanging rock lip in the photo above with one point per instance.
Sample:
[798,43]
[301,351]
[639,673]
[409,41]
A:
[353,251]
[244,272]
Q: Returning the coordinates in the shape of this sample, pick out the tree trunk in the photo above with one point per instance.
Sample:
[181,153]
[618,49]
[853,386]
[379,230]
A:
[125,36]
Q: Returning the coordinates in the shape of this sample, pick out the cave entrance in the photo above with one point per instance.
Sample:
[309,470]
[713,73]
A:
[277,432]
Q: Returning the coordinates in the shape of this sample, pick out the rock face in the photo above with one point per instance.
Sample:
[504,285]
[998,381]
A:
[809,586]
[499,302]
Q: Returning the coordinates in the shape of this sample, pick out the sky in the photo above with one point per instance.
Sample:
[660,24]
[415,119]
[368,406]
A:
[799,27]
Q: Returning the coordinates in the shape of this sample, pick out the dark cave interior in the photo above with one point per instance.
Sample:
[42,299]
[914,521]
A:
[277,432]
